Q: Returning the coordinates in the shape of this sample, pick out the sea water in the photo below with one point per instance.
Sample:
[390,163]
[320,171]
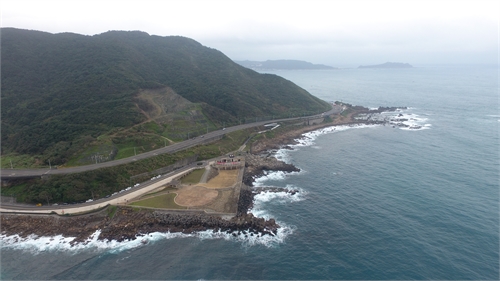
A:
[374,202]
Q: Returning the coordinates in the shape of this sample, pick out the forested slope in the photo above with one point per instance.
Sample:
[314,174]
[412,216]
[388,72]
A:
[61,92]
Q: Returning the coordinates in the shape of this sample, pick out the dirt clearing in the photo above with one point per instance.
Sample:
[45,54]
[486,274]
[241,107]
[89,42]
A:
[225,179]
[191,196]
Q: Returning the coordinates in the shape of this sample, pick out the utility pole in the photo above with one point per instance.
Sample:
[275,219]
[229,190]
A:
[11,164]
[134,151]
[165,143]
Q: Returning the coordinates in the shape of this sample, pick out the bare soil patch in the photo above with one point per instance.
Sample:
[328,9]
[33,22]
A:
[225,202]
[192,196]
[225,179]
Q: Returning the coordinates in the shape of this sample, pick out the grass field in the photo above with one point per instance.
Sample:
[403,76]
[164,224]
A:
[165,201]
[168,188]
[193,177]
[20,161]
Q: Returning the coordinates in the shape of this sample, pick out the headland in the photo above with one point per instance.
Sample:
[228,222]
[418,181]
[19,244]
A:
[219,198]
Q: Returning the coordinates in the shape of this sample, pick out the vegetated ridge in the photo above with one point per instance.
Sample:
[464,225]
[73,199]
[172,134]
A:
[282,64]
[388,65]
[74,98]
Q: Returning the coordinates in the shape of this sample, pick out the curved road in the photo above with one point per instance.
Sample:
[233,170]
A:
[120,198]
[22,173]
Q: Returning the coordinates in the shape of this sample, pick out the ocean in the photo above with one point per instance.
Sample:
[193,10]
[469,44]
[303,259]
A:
[375,202]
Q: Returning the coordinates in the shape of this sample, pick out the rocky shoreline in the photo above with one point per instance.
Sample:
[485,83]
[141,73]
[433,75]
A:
[126,223]
[129,223]
[257,165]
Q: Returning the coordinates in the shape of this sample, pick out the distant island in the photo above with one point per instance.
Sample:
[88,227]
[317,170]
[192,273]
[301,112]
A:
[282,64]
[388,65]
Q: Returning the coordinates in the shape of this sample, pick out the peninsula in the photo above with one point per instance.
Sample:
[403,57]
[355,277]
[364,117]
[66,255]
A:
[219,197]
[282,64]
[388,65]
[128,133]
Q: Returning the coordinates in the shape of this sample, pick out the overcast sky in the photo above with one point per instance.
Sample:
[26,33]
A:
[336,33]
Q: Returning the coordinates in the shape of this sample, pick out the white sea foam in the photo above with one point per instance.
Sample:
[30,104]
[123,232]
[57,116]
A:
[407,121]
[38,244]
[266,198]
[283,155]
[307,139]
[280,197]
[273,175]
[247,239]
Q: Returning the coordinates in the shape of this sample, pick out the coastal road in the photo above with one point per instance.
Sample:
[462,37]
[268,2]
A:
[120,198]
[25,173]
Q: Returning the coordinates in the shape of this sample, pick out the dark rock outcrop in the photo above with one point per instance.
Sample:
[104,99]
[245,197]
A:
[255,166]
[128,223]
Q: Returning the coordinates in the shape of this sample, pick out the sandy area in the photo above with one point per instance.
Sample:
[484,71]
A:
[225,179]
[194,195]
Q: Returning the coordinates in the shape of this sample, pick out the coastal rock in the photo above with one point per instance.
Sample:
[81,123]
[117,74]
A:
[128,223]
[255,166]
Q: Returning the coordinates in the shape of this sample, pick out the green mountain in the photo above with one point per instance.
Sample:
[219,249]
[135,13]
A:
[65,96]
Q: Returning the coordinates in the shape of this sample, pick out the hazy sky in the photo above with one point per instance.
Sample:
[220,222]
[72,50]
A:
[336,33]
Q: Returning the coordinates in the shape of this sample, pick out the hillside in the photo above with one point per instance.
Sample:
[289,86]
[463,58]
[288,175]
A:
[282,64]
[79,99]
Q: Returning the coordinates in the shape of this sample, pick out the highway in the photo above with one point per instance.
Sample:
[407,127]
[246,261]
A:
[120,198]
[24,173]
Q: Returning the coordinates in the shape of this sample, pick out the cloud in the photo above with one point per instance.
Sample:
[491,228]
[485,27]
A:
[322,31]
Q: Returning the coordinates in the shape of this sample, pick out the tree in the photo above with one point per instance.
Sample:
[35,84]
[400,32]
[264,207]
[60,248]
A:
[44,195]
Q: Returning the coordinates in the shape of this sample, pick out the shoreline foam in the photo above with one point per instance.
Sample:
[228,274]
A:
[59,242]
